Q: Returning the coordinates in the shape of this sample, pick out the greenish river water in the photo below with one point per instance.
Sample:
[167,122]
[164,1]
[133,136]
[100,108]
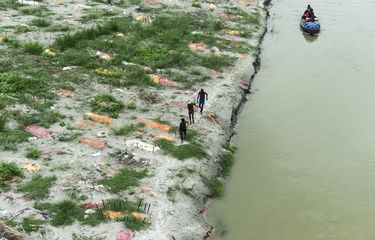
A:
[305,165]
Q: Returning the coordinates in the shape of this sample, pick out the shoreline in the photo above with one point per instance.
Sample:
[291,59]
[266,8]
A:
[185,217]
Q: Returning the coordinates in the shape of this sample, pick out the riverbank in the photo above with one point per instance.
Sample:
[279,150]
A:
[173,192]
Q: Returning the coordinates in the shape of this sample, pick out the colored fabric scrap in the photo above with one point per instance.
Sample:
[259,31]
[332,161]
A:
[50,53]
[85,123]
[38,131]
[232,32]
[125,235]
[99,118]
[138,216]
[31,167]
[199,47]
[165,137]
[163,81]
[153,124]
[92,142]
[114,215]
[142,145]
[65,93]
[145,19]
[91,205]
[103,55]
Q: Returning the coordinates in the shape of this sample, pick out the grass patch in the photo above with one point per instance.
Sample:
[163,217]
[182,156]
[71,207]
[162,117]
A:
[56,27]
[38,187]
[34,48]
[39,11]
[215,185]
[33,153]
[125,130]
[11,138]
[123,180]
[40,22]
[107,104]
[62,213]
[226,162]
[184,151]
[31,225]
[8,171]
[95,14]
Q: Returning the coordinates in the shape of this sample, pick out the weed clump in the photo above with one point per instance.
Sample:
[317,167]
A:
[124,179]
[107,104]
[63,213]
[8,171]
[33,153]
[125,130]
[38,187]
[31,225]
[184,151]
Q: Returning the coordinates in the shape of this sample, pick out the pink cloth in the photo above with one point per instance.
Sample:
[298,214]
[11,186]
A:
[125,235]
[38,131]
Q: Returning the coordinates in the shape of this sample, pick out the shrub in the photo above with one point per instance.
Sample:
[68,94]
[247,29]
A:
[38,187]
[107,104]
[33,153]
[34,48]
[124,179]
[40,22]
[8,171]
[125,130]
[184,151]
[63,213]
[31,225]
[216,187]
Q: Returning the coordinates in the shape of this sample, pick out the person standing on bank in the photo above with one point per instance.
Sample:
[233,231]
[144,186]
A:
[190,107]
[201,99]
[183,129]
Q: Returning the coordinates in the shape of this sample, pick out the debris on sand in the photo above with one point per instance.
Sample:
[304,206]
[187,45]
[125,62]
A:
[99,118]
[163,81]
[142,145]
[39,131]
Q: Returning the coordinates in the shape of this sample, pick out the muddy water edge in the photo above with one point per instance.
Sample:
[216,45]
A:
[305,165]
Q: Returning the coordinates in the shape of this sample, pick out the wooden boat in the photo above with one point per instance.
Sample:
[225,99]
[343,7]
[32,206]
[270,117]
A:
[310,27]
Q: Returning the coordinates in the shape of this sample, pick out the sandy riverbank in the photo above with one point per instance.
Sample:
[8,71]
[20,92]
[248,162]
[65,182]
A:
[179,218]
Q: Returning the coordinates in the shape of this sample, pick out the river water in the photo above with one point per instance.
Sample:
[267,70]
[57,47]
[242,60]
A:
[305,165]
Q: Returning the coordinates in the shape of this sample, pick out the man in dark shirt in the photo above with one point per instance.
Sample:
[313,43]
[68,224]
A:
[201,99]
[183,129]
[190,107]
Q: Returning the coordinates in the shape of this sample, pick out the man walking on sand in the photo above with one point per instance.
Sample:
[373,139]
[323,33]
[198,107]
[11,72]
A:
[201,99]
[183,129]
[190,107]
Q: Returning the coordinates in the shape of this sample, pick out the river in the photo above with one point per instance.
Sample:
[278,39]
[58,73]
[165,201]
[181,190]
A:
[305,165]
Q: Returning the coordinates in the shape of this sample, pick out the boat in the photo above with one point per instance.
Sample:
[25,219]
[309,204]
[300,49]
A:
[311,27]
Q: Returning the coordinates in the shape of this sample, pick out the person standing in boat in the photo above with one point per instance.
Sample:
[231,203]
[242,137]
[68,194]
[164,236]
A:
[307,13]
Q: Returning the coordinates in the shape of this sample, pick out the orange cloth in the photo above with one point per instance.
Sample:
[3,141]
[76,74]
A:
[138,216]
[113,214]
[92,142]
[165,137]
[153,124]
[99,118]
[163,80]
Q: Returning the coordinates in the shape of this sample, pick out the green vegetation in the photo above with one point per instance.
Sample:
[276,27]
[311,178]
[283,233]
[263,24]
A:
[107,104]
[226,162]
[216,187]
[8,171]
[38,187]
[125,130]
[40,22]
[56,27]
[123,180]
[94,14]
[63,213]
[9,4]
[131,106]
[31,225]
[33,153]
[184,151]
[66,212]
[39,11]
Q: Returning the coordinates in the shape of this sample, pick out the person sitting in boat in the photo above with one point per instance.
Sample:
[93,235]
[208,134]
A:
[307,13]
